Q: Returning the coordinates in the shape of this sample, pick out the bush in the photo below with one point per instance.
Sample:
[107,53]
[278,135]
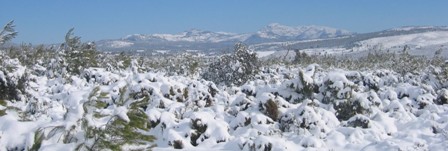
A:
[442,97]
[13,80]
[234,69]
[79,56]
[270,109]
[359,121]
[177,144]
[199,129]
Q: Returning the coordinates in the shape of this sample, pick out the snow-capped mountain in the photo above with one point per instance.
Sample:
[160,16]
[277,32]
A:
[273,37]
[272,33]
[194,35]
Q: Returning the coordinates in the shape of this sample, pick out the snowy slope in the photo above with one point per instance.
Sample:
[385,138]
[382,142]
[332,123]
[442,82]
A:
[414,40]
[278,31]
[424,44]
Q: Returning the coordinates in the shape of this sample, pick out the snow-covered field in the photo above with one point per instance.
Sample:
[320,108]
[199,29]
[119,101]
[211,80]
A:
[423,44]
[119,44]
[417,40]
[283,109]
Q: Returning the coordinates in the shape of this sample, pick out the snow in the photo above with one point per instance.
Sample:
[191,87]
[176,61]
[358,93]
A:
[416,40]
[119,44]
[272,31]
[400,115]
[276,30]
[193,35]
[261,54]
[423,43]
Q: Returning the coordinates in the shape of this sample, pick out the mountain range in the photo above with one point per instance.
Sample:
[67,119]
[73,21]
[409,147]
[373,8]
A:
[208,40]
[271,37]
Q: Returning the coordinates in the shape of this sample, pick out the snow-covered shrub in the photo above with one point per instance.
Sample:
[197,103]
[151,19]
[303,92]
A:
[442,97]
[240,102]
[236,68]
[270,109]
[98,75]
[359,121]
[111,124]
[260,143]
[336,86]
[13,79]
[302,58]
[178,144]
[205,128]
[308,119]
[304,85]
[407,63]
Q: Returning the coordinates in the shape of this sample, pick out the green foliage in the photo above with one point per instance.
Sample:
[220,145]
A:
[124,59]
[3,102]
[2,113]
[38,138]
[117,132]
[79,56]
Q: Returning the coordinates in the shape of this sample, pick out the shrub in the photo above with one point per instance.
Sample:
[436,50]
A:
[442,97]
[177,144]
[359,121]
[234,69]
[79,56]
[199,129]
[270,109]
[13,79]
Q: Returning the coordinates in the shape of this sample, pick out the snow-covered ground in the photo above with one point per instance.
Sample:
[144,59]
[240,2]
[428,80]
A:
[119,44]
[262,54]
[423,44]
[417,40]
[283,109]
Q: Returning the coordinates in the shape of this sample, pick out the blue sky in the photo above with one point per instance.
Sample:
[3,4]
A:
[47,21]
